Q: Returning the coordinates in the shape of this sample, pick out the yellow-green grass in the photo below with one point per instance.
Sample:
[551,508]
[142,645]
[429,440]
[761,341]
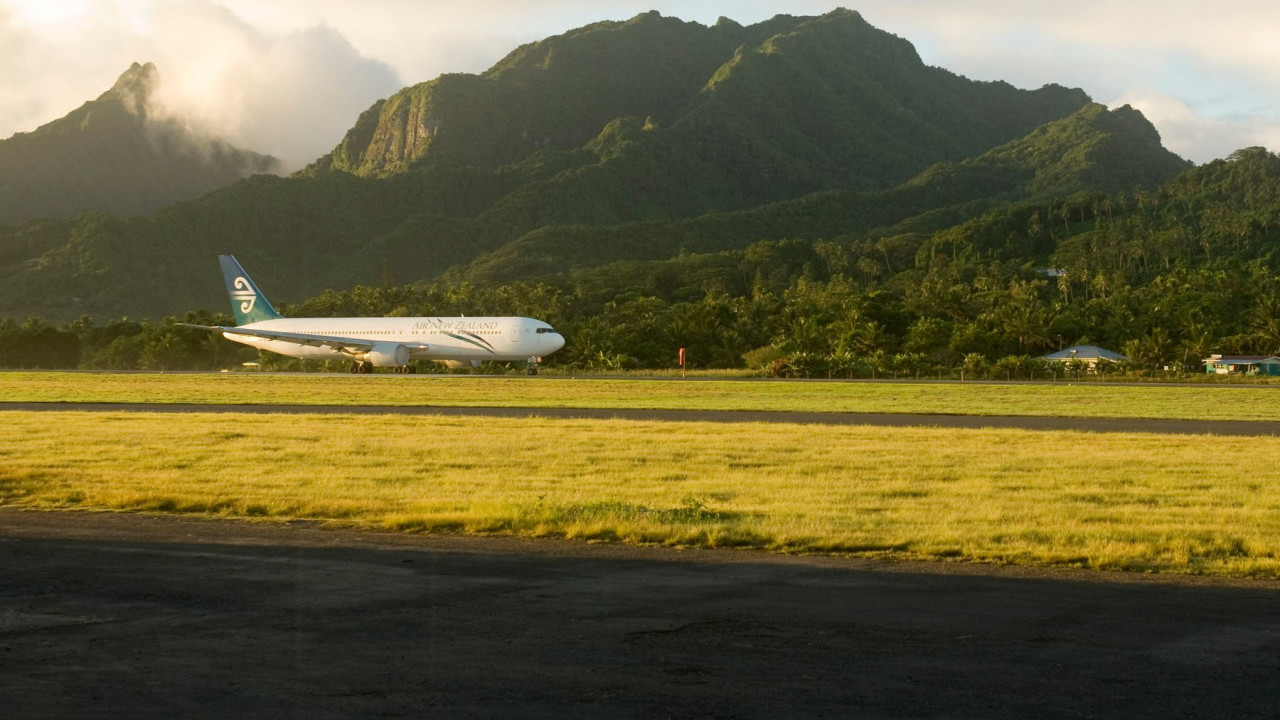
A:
[1180,503]
[1065,400]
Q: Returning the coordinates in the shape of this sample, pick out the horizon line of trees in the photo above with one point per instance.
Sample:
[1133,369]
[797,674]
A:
[1166,277]
[830,327]
[126,345]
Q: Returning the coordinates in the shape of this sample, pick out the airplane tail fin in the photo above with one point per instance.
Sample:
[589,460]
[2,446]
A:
[247,301]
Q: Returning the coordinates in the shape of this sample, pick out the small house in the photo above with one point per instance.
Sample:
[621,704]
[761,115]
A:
[1091,355]
[1242,364]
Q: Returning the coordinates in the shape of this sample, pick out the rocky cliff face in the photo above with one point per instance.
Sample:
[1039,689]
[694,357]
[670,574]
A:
[798,103]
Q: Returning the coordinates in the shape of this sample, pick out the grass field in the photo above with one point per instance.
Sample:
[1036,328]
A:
[1181,504]
[1083,400]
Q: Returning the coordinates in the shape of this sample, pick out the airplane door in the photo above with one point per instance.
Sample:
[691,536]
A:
[513,331]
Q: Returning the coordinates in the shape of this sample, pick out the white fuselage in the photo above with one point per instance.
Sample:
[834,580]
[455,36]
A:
[458,339]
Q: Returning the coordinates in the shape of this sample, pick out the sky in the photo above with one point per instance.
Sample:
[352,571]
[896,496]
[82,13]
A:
[289,77]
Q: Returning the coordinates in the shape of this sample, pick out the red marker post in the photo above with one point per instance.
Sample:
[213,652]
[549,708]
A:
[682,374]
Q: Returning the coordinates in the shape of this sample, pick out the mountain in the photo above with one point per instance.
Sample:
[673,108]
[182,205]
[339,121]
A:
[640,139]
[1093,149]
[114,155]
[754,114]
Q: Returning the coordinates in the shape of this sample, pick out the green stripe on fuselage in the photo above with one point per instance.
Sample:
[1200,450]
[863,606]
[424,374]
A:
[474,340]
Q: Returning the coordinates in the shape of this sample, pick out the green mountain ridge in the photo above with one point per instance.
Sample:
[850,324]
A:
[757,114]
[620,140]
[1093,149]
[533,99]
[112,155]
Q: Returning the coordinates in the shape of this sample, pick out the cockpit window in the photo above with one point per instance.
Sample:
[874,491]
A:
[545,330]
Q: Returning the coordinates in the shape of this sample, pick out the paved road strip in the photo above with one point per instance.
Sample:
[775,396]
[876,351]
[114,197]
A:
[1247,428]
[109,615]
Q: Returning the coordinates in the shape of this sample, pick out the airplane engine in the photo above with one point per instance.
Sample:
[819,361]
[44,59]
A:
[387,355]
[461,364]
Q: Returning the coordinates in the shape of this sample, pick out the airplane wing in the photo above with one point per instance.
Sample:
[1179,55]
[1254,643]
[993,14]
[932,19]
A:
[341,344]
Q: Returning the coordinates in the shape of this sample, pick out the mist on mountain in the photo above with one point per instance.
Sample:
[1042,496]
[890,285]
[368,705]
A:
[117,154]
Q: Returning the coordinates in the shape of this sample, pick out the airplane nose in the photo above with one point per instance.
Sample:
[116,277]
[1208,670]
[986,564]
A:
[557,341]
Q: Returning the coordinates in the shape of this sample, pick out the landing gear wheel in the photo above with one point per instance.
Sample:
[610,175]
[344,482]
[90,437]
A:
[355,368]
[533,366]
[365,368]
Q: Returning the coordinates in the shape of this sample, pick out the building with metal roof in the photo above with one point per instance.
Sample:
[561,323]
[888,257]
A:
[1090,354]
[1242,364]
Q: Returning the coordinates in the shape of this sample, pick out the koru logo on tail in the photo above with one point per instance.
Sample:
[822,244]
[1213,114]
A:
[244,293]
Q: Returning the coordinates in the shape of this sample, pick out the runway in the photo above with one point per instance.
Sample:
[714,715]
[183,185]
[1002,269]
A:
[1243,428]
[114,615]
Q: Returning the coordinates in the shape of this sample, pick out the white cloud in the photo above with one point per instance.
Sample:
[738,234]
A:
[291,94]
[1208,72]
[1191,134]
[44,72]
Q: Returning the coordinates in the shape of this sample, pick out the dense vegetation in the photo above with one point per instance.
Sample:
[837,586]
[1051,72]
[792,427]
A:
[802,195]
[647,121]
[1166,276]
[114,155]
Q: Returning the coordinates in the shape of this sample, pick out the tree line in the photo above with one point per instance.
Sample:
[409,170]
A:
[1166,277]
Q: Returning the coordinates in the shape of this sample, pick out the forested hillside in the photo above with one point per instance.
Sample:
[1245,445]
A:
[802,194]
[1167,276]
[115,155]
[1093,150]
[613,125]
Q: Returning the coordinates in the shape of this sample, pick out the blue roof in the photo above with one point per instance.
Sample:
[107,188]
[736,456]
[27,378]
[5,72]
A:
[1085,352]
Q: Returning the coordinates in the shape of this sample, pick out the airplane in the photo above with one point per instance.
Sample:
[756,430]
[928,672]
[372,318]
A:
[381,342]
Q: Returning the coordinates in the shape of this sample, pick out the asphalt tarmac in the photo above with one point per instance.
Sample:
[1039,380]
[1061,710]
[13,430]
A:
[114,615]
[1144,425]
